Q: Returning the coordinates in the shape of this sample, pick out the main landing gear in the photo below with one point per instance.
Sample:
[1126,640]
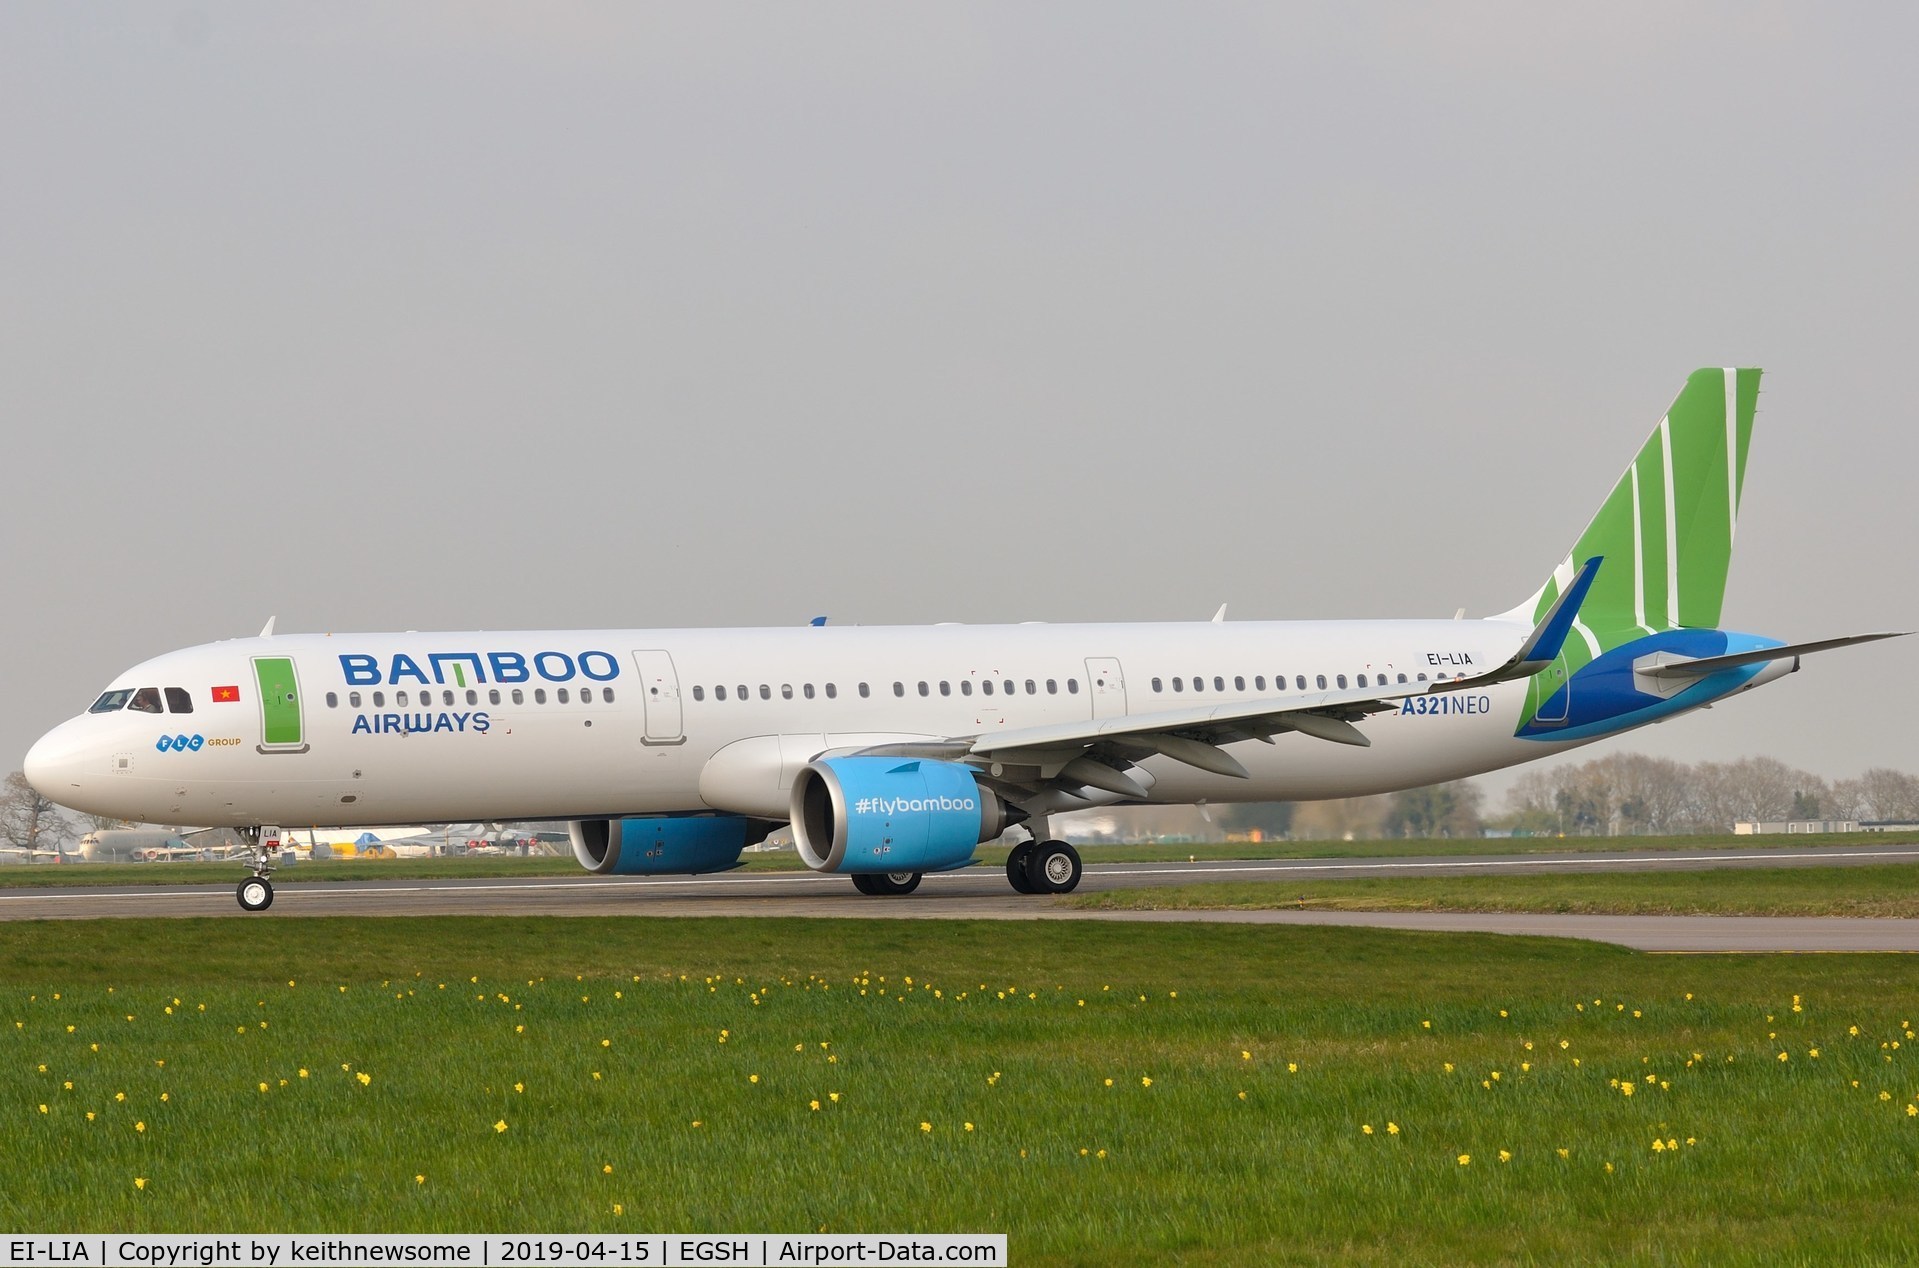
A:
[263,854]
[882,884]
[1043,867]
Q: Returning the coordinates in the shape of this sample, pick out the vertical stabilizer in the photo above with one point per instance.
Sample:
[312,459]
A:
[1666,530]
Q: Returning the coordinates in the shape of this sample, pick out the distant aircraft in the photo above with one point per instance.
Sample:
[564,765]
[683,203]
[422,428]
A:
[897,751]
[141,845]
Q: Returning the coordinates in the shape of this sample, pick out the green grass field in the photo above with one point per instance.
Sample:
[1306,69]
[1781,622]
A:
[1185,1092]
[1889,890]
[186,873]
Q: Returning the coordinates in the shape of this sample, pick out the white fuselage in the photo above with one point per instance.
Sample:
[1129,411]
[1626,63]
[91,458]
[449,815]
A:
[426,728]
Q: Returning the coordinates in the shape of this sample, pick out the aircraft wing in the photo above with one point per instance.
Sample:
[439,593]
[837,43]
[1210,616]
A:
[1098,753]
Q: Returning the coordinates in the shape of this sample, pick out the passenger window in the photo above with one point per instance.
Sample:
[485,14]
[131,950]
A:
[586,695]
[1072,686]
[1009,686]
[379,699]
[353,698]
[925,690]
[1422,678]
[786,691]
[832,692]
[332,700]
[1199,684]
[807,691]
[699,693]
[560,695]
[766,692]
[519,697]
[1157,685]
[1239,683]
[145,700]
[986,686]
[111,702]
[1362,680]
[744,693]
[606,694]
[864,692]
[1179,684]
[492,697]
[899,688]
[1029,688]
[1052,686]
[1322,682]
[1219,684]
[966,686]
[946,688]
[448,695]
[1259,682]
[1402,678]
[1342,682]
[399,699]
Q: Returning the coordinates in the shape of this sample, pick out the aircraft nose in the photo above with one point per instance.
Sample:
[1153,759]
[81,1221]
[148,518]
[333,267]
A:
[53,764]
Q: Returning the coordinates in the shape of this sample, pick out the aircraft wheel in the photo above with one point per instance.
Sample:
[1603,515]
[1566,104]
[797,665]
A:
[898,882]
[864,882]
[1055,868]
[256,893]
[1018,861]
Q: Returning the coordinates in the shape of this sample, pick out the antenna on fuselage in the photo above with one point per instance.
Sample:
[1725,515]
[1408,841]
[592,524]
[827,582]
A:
[266,631]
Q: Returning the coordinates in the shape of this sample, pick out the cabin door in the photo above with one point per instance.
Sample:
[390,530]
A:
[1107,685]
[660,693]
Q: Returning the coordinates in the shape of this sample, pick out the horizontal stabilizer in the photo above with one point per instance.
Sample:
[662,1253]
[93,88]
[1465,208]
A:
[1700,667]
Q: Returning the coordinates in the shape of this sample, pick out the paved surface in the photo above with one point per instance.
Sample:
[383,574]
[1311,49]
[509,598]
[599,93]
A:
[982,894]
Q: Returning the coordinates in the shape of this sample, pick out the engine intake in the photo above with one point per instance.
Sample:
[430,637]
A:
[887,814]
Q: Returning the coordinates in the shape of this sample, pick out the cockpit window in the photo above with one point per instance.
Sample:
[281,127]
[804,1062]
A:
[145,700]
[178,701]
[111,702]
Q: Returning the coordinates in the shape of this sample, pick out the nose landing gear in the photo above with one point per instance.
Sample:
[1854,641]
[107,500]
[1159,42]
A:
[263,854]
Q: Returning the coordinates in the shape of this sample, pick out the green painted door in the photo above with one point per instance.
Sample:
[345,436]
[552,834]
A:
[281,729]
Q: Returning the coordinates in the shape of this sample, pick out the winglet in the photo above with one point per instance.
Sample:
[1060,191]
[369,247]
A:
[1542,646]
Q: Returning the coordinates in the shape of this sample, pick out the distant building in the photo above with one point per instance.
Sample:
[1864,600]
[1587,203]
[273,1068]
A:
[1889,825]
[1796,825]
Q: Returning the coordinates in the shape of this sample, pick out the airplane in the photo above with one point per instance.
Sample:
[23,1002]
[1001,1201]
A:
[897,751]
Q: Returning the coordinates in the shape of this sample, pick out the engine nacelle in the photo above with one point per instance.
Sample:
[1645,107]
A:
[892,814]
[660,845]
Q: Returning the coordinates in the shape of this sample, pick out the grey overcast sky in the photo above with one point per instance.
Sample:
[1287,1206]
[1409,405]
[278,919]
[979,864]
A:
[381,316]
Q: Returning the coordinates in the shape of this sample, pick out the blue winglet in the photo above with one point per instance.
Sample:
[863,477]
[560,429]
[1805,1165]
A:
[1542,648]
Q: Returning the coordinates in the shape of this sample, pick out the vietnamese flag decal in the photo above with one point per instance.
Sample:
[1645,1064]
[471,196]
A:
[226,695]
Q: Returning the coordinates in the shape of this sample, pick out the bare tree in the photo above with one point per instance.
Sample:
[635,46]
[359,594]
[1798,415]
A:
[1889,794]
[1438,810]
[28,820]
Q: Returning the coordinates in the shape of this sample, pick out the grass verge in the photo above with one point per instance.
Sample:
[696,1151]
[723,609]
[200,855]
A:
[49,876]
[1185,1093]
[1884,890]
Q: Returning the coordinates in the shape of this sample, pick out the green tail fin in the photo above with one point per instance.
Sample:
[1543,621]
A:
[1666,529]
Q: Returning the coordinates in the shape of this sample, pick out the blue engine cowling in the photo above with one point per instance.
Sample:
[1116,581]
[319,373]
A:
[660,845]
[891,814]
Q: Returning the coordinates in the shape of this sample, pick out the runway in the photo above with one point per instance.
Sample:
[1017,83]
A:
[981,893]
